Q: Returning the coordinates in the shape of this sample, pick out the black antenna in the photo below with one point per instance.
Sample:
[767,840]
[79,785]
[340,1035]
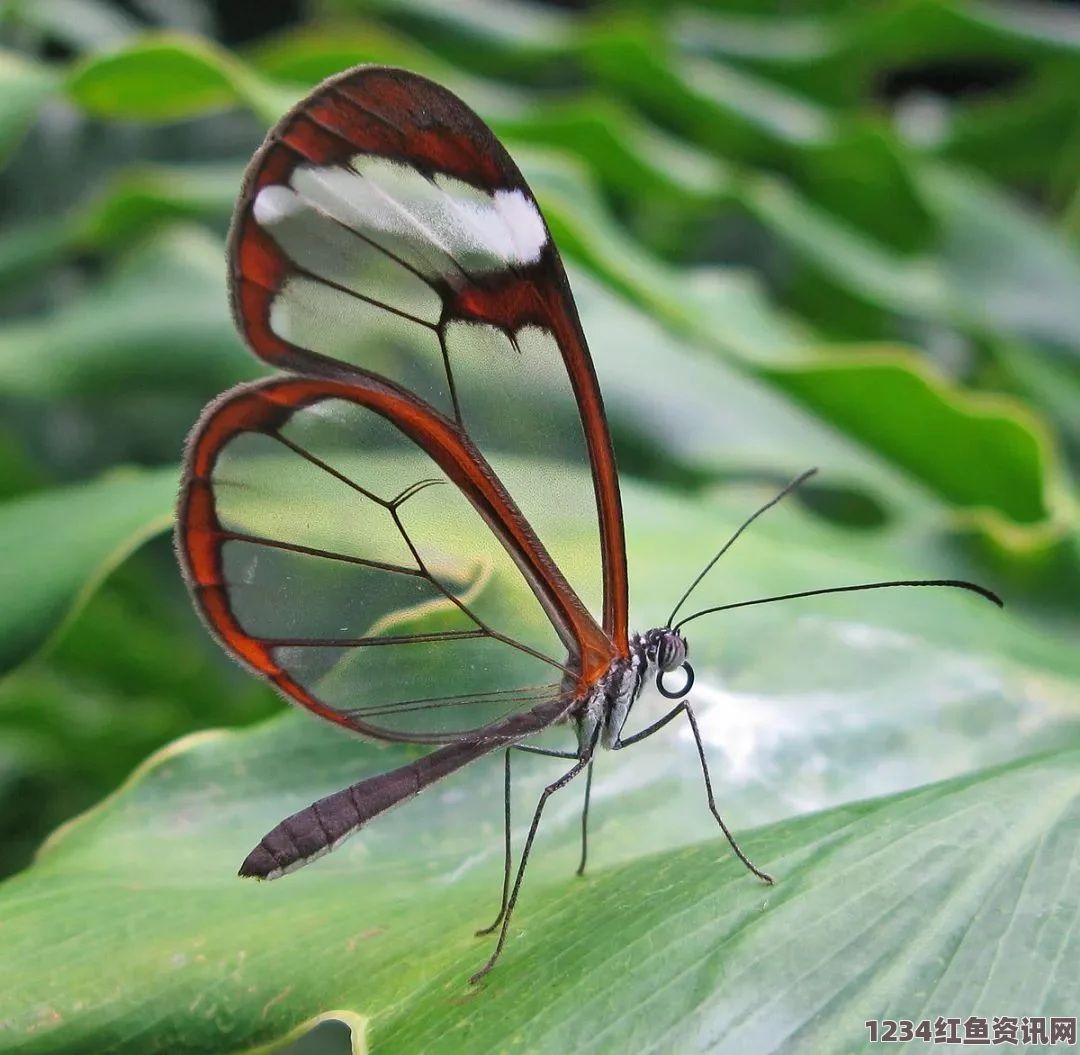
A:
[959,584]
[797,482]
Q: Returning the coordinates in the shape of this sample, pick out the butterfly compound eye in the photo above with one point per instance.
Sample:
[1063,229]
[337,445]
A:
[670,656]
[669,649]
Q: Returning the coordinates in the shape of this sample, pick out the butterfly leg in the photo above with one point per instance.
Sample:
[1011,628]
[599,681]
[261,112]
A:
[585,820]
[507,857]
[685,708]
[573,771]
[508,860]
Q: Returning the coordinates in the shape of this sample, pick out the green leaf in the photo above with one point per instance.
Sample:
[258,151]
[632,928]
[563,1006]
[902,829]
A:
[865,177]
[1026,137]
[168,77]
[482,35]
[1007,270]
[133,670]
[135,201]
[159,322]
[719,106]
[998,455]
[62,543]
[689,951]
[624,153]
[712,416]
[25,86]
[997,268]
[863,267]
[897,409]
[1040,28]
[1050,383]
[784,40]
[801,709]
[914,31]
[309,53]
[141,198]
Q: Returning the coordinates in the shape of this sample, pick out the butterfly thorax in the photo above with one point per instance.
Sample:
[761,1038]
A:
[606,708]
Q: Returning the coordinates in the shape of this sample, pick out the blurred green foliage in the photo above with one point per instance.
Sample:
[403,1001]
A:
[846,236]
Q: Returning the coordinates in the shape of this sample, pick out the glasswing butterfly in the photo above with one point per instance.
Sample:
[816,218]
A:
[367,529]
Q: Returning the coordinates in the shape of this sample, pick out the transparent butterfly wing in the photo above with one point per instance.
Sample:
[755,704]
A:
[398,591]
[382,535]
[383,226]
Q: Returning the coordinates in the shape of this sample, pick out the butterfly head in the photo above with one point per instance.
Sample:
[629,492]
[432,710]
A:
[666,649]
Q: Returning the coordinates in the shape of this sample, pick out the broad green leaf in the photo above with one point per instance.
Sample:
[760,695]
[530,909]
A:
[60,544]
[852,167]
[710,415]
[835,50]
[27,249]
[1044,28]
[998,454]
[784,39]
[910,31]
[132,670]
[691,952]
[585,232]
[836,58]
[168,77]
[865,177]
[18,474]
[801,709]
[807,52]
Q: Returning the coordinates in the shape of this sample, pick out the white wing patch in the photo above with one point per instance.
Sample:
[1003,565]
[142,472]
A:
[330,246]
[438,227]
[372,244]
[525,224]
[506,228]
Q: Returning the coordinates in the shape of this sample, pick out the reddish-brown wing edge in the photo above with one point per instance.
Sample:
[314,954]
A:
[397,114]
[264,406]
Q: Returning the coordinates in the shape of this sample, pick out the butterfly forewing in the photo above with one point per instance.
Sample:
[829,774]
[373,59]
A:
[384,227]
